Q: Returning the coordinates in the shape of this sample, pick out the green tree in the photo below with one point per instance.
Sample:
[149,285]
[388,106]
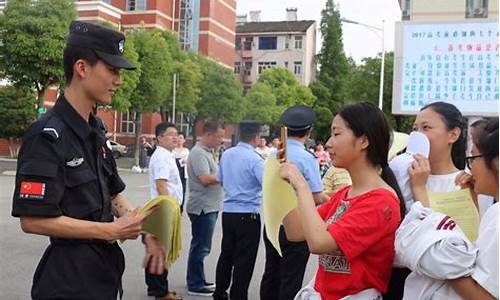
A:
[189,77]
[321,129]
[17,111]
[153,85]
[367,75]
[221,97]
[332,60]
[32,39]
[261,104]
[287,90]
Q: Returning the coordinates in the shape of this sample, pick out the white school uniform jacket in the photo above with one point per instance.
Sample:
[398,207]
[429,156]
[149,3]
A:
[435,249]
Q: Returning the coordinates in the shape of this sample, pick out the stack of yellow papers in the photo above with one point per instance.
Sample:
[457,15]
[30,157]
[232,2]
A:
[165,224]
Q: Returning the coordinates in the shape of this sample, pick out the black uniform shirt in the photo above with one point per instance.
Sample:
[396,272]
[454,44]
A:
[66,169]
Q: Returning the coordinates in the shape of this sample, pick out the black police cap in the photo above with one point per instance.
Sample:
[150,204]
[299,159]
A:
[107,44]
[298,117]
[249,127]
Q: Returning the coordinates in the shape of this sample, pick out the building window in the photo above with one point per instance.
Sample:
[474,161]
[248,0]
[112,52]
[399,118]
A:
[405,9]
[266,65]
[237,67]
[297,67]
[287,42]
[268,43]
[237,44]
[128,125]
[247,45]
[476,9]
[286,65]
[248,68]
[3,3]
[185,25]
[106,1]
[136,5]
[298,42]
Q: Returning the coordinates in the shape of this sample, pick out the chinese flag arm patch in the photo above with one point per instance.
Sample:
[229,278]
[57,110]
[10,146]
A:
[32,190]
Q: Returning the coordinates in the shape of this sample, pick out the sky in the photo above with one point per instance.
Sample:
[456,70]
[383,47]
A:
[359,41]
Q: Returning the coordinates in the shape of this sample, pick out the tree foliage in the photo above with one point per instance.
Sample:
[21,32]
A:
[221,94]
[33,36]
[156,67]
[17,111]
[367,76]
[261,105]
[284,88]
[332,60]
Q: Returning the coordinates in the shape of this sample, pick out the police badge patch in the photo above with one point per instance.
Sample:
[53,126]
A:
[121,44]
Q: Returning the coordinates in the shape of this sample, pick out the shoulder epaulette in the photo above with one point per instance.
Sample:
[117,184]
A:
[53,128]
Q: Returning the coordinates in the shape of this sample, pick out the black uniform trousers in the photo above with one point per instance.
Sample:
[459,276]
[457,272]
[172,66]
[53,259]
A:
[283,276]
[240,242]
[157,284]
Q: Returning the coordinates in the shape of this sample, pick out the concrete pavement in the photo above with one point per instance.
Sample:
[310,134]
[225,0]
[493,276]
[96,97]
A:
[20,252]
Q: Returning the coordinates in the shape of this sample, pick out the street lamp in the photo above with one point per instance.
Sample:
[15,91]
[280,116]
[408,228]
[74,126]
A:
[381,88]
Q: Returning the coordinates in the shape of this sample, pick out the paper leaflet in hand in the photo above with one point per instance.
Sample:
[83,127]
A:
[417,144]
[165,225]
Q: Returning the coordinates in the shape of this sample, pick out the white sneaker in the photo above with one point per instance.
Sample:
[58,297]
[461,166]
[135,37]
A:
[204,292]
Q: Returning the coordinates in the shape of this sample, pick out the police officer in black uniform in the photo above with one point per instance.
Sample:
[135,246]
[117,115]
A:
[67,184]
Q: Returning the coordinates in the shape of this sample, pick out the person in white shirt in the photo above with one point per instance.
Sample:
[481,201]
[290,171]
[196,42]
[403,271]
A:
[262,148]
[483,162]
[181,155]
[164,179]
[443,124]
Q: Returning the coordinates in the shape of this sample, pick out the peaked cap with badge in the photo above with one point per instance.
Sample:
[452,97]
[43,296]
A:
[107,44]
[298,117]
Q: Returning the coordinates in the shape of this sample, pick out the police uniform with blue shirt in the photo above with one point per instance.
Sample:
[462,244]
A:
[240,173]
[65,168]
[283,276]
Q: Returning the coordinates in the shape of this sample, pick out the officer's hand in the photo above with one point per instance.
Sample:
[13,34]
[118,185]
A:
[154,258]
[129,226]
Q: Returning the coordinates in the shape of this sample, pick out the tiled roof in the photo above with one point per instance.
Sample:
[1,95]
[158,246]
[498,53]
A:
[280,26]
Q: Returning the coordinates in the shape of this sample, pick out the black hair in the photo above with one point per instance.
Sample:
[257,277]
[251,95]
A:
[71,55]
[162,127]
[210,126]
[375,127]
[298,133]
[248,131]
[452,118]
[481,123]
[479,126]
[487,142]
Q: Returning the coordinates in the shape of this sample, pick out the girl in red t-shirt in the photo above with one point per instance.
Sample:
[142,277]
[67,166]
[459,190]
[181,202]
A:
[353,233]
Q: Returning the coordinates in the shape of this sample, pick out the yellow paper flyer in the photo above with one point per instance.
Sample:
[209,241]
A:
[460,207]
[278,199]
[164,224]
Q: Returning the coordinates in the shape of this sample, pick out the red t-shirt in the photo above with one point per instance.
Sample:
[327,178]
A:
[364,228]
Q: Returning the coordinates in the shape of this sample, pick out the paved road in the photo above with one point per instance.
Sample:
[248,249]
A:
[19,252]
